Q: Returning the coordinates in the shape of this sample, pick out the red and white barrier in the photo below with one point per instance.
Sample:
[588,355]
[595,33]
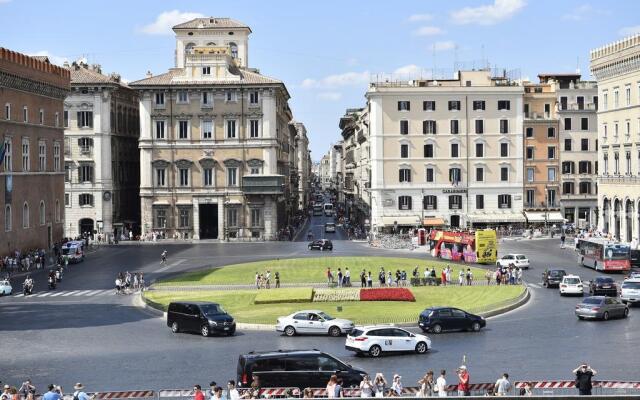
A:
[571,384]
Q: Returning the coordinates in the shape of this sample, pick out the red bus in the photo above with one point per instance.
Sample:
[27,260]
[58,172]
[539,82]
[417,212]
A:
[473,247]
[603,255]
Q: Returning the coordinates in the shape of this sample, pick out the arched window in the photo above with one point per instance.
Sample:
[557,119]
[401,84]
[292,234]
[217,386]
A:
[25,215]
[234,50]
[43,217]
[188,47]
[57,210]
[7,218]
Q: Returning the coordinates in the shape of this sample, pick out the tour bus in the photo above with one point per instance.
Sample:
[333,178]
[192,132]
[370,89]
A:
[328,209]
[603,255]
[317,210]
[474,247]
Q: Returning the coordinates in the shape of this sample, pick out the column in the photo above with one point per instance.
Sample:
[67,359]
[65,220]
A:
[220,219]
[196,219]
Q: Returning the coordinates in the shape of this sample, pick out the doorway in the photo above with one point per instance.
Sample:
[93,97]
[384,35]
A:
[208,221]
[86,225]
[455,221]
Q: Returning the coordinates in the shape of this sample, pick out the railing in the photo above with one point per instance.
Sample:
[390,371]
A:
[578,107]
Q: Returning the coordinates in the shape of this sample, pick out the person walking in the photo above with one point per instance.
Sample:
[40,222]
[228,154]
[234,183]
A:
[197,393]
[503,385]
[463,381]
[441,384]
[277,276]
[329,276]
[340,277]
[584,373]
[369,280]
[426,385]
[163,257]
[347,277]
[461,277]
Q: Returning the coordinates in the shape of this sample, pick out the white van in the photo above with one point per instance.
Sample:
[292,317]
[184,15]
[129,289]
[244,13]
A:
[328,209]
[74,250]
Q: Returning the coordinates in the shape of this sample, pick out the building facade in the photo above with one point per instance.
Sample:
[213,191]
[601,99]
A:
[215,140]
[303,162]
[101,156]
[616,67]
[446,152]
[32,91]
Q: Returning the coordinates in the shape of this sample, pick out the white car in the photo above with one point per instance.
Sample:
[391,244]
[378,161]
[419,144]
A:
[5,288]
[313,322]
[330,227]
[630,292]
[571,284]
[378,339]
[518,260]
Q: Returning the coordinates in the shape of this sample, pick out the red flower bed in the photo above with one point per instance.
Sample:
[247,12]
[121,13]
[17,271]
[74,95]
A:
[386,294]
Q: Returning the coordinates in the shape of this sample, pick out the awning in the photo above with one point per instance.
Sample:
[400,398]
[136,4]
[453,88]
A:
[401,220]
[433,221]
[541,216]
[497,218]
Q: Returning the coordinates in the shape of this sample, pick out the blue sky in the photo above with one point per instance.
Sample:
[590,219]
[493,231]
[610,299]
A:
[326,51]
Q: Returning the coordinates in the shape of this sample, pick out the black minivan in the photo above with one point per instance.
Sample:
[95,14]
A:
[199,316]
[295,368]
[439,319]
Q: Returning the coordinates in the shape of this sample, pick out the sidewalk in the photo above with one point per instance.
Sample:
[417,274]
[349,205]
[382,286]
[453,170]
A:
[49,264]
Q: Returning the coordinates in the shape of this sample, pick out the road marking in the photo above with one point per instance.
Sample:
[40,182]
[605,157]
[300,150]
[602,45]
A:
[19,295]
[535,285]
[94,292]
[45,294]
[57,294]
[83,292]
[171,265]
[69,294]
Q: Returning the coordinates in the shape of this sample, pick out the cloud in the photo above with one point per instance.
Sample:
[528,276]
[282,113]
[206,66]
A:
[166,20]
[488,14]
[410,69]
[428,31]
[338,80]
[584,12]
[4,1]
[443,45]
[331,96]
[57,60]
[629,30]
[420,17]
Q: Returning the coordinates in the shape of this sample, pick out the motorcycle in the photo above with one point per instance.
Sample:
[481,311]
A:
[27,289]
[52,283]
[59,275]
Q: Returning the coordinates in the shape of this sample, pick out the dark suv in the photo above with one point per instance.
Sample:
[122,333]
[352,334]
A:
[438,319]
[295,368]
[199,316]
[553,277]
[321,244]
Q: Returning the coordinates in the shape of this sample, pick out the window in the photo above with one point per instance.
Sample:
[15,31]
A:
[455,175]
[184,176]
[429,105]
[232,176]
[207,128]
[595,102]
[256,217]
[161,218]
[563,102]
[504,105]
[616,98]
[8,165]
[65,118]
[255,171]
[404,105]
[454,105]
[454,150]
[604,130]
[85,173]
[504,174]
[628,162]
[183,96]
[67,171]
[428,151]
[183,129]
[530,152]
[254,128]
[529,132]
[567,144]
[429,174]
[25,215]
[57,119]
[605,101]
[504,126]
[567,188]
[42,214]
[42,156]
[159,129]
[25,155]
[430,202]
[551,174]
[231,129]
[254,97]
[455,202]
[25,114]
[230,96]
[56,156]
[160,99]
[206,99]
[551,197]
[85,119]
[479,126]
[585,187]
[531,197]
[404,127]
[404,151]
[160,177]
[232,217]
[404,175]
[627,92]
[551,152]
[530,174]
[7,112]
[184,220]
[568,167]
[478,105]
[504,201]
[547,111]
[551,132]
[404,203]
[8,218]
[479,202]
[479,150]
[85,200]
[479,174]
[606,163]
[41,114]
[628,130]
[526,110]
[584,167]
[429,126]
[615,130]
[206,70]
[207,177]
[584,144]
[504,149]
[584,124]
[455,126]
[567,124]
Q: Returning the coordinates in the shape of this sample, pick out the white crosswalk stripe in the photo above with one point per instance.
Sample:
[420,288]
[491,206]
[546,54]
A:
[67,293]
[70,293]
[83,292]
[98,292]
[57,294]
[45,294]
[19,295]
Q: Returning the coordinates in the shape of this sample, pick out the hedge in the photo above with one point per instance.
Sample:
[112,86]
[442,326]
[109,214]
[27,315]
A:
[289,295]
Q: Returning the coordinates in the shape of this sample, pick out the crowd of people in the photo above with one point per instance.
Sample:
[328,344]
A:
[263,280]
[504,275]
[27,391]
[23,261]
[127,283]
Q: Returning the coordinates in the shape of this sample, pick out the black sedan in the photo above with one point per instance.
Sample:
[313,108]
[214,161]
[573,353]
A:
[321,244]
[553,277]
[438,319]
[603,285]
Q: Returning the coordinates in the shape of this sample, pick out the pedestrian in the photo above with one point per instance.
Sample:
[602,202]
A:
[338,388]
[51,394]
[118,285]
[197,393]
[396,385]
[443,277]
[6,395]
[469,277]
[217,393]
[347,277]
[380,385]
[363,279]
[340,277]
[79,393]
[584,373]
[212,389]
[503,385]
[257,280]
[369,280]
[232,392]
[27,389]
[463,381]
[488,275]
[267,279]
[525,390]
[277,276]
[331,386]
[441,384]
[562,239]
[449,271]
[426,385]
[307,393]
[329,276]
[461,277]
[389,279]
[366,387]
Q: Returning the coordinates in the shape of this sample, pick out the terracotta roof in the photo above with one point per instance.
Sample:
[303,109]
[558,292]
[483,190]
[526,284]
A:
[82,75]
[248,77]
[212,23]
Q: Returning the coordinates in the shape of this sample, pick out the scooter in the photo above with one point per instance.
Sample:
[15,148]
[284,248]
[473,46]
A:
[59,274]
[27,289]
[52,283]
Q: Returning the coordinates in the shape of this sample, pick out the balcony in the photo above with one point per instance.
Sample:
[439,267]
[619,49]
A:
[263,184]
[578,107]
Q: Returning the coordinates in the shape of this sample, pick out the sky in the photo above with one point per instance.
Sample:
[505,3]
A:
[326,52]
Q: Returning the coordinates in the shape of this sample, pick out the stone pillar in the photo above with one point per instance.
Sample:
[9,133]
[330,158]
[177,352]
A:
[220,219]
[196,219]
[269,216]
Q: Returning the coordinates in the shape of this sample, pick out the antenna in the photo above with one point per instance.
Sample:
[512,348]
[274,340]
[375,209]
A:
[455,57]
[435,67]
[482,60]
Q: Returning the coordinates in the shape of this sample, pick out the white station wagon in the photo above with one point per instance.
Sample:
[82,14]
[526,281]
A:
[518,260]
[378,339]
[313,322]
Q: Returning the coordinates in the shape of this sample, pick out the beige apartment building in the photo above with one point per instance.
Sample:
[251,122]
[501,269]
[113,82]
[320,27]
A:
[616,67]
[446,152]
[215,140]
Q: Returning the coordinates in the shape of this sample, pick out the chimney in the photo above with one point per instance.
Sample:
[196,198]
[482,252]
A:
[149,74]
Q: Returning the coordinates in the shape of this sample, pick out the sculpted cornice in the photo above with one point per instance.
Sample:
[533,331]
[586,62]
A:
[31,86]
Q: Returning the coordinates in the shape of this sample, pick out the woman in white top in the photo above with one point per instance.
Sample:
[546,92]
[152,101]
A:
[366,387]
[331,386]
[380,385]
[441,384]
[396,386]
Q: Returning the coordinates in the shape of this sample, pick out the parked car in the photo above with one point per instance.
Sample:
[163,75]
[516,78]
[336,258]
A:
[314,322]
[199,316]
[330,227]
[378,339]
[439,319]
[603,285]
[553,277]
[5,288]
[571,284]
[630,291]
[518,260]
[601,307]
[295,368]
[321,244]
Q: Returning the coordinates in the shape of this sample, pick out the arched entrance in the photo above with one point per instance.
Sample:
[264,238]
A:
[86,225]
[617,210]
[606,210]
[628,218]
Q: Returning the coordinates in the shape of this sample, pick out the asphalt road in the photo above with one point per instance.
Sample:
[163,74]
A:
[89,334]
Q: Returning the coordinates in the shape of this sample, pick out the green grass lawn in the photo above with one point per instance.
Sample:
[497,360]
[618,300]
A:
[284,295]
[240,303]
[308,270]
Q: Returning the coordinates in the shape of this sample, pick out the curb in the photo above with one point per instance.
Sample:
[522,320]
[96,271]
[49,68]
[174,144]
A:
[141,302]
[520,301]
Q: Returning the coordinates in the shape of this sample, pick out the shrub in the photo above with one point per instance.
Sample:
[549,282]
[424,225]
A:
[386,294]
[289,295]
[322,295]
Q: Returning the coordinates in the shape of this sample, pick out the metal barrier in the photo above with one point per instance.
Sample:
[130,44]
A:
[555,388]
[127,394]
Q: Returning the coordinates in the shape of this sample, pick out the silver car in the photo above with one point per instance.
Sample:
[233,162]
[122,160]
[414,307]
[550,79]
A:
[601,307]
[313,322]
